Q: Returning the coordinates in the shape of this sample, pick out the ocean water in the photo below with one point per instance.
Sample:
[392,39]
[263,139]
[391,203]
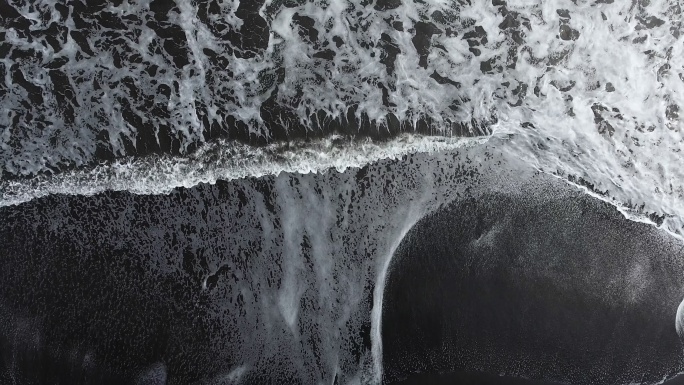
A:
[341,192]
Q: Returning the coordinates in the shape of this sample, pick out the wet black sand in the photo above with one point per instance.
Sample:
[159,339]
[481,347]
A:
[489,379]
[564,290]
[85,297]
[469,378]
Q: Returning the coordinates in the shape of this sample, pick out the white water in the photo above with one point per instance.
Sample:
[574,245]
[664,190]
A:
[632,155]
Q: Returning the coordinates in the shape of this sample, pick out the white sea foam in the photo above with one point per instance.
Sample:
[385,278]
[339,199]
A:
[586,90]
[223,161]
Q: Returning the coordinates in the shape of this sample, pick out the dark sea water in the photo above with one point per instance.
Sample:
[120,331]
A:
[341,192]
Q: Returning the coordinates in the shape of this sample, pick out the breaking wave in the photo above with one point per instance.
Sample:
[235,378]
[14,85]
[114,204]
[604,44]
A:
[222,161]
[151,95]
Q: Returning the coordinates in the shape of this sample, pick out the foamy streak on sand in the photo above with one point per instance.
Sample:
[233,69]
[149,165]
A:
[224,161]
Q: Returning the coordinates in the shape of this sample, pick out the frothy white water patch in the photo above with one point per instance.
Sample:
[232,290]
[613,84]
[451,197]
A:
[589,89]
[604,113]
[223,161]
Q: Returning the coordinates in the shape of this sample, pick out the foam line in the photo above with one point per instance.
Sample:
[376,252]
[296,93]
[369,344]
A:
[224,161]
